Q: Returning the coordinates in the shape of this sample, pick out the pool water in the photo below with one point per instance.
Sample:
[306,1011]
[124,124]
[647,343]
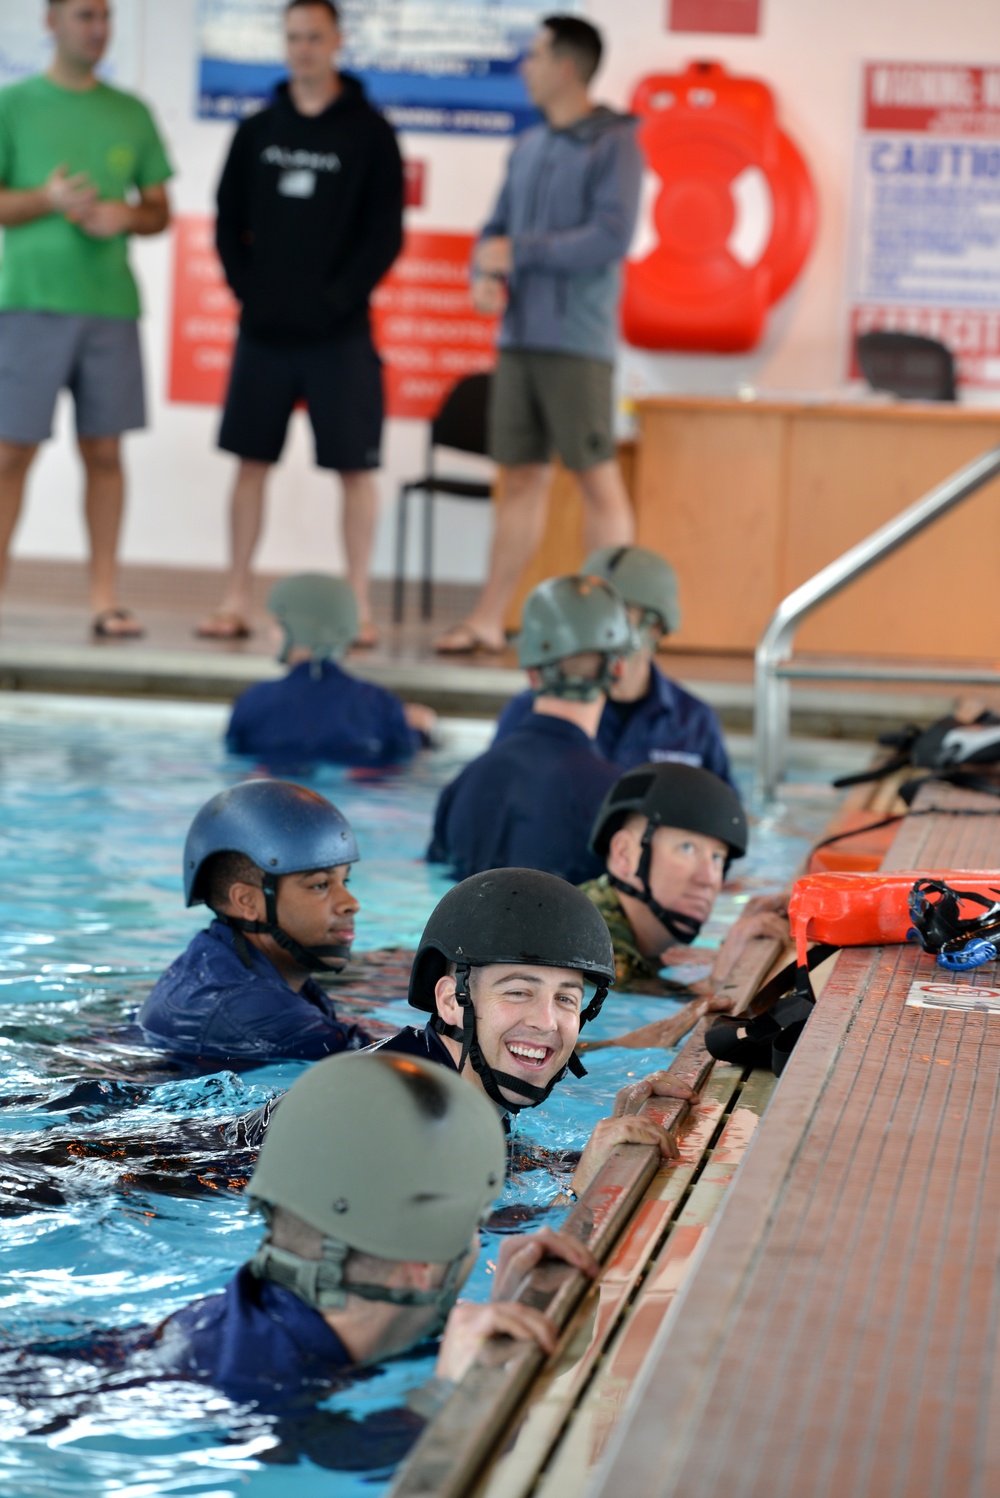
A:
[118,1198]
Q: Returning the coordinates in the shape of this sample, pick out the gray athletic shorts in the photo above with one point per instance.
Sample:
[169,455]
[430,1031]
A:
[96,358]
[543,403]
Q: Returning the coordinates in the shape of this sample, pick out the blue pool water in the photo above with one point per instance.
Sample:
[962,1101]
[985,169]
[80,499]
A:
[115,1210]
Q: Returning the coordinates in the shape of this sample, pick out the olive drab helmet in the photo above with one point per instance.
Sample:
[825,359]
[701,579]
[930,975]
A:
[570,616]
[316,612]
[670,795]
[282,828]
[504,916]
[384,1155]
[645,581]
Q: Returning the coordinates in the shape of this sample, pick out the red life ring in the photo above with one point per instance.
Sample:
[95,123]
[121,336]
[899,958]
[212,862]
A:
[734,216]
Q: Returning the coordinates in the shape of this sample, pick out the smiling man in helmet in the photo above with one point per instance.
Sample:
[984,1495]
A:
[667,834]
[272,862]
[511,965]
[529,801]
[647,717]
[373,1178]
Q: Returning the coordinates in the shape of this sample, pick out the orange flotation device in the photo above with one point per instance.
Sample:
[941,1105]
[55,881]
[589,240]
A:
[734,217]
[869,910]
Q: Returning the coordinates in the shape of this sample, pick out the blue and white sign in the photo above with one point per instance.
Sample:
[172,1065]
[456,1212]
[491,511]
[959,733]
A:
[926,222]
[433,65]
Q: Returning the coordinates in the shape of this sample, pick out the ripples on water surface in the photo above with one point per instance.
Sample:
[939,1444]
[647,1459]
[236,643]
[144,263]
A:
[119,1200]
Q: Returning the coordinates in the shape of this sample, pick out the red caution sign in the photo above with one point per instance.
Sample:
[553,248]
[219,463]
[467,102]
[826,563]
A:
[205,316]
[423,322]
[425,327]
[729,214]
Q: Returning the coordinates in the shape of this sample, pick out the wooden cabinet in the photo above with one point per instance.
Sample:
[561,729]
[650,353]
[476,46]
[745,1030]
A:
[748,499]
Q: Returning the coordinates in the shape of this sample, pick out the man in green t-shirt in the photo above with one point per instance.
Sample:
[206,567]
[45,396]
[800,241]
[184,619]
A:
[81,168]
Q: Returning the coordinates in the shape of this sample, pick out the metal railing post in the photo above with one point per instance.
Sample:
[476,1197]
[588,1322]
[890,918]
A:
[771,702]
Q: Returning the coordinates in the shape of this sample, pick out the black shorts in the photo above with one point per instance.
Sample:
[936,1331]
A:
[340,382]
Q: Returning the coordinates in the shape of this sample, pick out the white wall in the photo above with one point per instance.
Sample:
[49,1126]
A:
[810,53]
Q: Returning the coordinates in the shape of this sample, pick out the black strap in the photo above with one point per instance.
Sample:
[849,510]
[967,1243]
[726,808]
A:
[683,928]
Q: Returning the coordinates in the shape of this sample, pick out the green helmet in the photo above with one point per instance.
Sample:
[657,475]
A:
[645,581]
[382,1154]
[316,612]
[568,616]
[502,916]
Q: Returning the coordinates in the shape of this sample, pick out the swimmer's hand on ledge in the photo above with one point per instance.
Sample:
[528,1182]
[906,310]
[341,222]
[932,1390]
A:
[422,719]
[469,1327]
[765,917]
[628,1128]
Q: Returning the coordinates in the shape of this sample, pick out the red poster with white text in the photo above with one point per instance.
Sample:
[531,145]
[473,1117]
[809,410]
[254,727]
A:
[423,323]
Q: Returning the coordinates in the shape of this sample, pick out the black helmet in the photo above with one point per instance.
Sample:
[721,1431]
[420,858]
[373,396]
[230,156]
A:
[282,828]
[502,916]
[670,795]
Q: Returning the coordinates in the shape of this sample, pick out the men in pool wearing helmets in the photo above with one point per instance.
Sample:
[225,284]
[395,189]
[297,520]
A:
[271,860]
[667,834]
[373,1178]
[530,800]
[647,716]
[503,969]
[319,711]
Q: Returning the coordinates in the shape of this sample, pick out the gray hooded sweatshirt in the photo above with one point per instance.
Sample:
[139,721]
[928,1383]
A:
[569,204]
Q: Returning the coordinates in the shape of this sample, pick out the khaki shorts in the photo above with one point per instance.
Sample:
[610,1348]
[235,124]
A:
[543,404]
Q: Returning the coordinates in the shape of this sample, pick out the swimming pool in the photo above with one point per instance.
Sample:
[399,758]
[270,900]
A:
[98,1229]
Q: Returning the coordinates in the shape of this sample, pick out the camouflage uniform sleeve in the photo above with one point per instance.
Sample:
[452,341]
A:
[630,964]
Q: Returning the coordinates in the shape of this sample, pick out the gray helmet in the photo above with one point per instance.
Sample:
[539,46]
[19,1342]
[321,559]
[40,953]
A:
[383,1154]
[670,795]
[316,612]
[645,581]
[502,916]
[283,829]
[568,616]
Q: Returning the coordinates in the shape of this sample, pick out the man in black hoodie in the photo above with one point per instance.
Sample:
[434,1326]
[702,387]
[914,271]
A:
[310,219]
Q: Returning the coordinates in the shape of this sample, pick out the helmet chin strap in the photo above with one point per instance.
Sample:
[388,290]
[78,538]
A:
[683,928]
[560,683]
[321,1282]
[492,1079]
[312,959]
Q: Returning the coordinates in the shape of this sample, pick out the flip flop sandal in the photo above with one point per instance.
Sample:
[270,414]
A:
[99,627]
[234,627]
[463,640]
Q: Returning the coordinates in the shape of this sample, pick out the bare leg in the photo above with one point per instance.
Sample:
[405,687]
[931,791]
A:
[15,460]
[608,519]
[361,501]
[246,518]
[518,528]
[104,505]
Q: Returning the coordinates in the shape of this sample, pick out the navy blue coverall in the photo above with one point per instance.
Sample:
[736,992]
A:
[208,1004]
[529,802]
[669,723]
[319,712]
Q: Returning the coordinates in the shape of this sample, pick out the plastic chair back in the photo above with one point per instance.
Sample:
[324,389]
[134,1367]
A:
[908,365]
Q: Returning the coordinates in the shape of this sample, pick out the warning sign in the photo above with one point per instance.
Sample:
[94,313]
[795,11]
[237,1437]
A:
[738,17]
[206,315]
[926,221]
[424,325]
[969,998]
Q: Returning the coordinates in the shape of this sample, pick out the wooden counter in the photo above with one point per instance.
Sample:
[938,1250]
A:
[750,498]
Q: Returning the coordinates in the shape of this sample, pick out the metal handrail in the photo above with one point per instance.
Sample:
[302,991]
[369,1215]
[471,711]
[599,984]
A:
[771,700]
